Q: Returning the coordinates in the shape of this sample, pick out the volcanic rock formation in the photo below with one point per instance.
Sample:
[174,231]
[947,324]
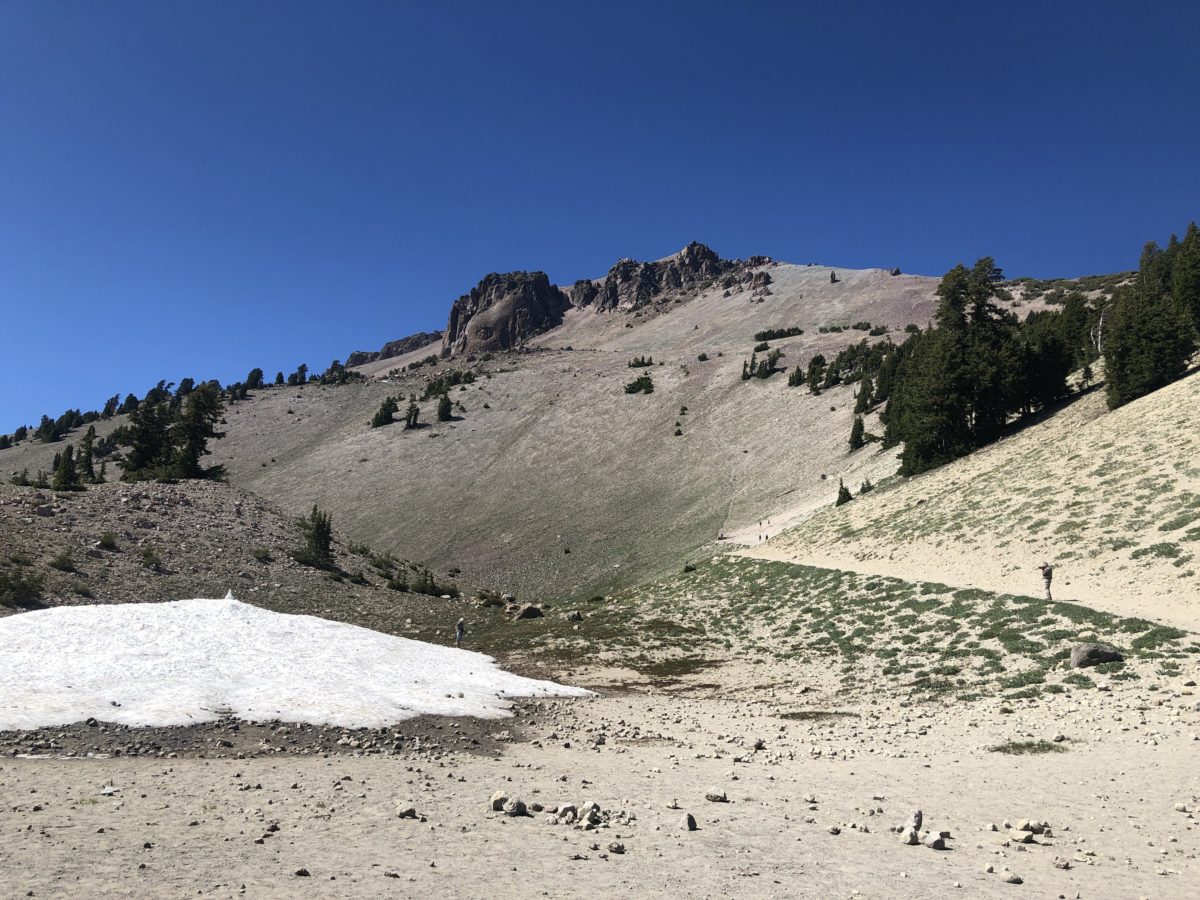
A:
[393,348]
[502,311]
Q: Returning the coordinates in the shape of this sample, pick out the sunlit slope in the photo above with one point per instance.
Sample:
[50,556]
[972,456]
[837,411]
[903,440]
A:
[1111,499]
[551,455]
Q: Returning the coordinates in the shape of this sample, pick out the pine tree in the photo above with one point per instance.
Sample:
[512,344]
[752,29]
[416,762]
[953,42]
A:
[86,454]
[278,378]
[254,380]
[149,445]
[318,540]
[196,426]
[816,373]
[412,414]
[102,476]
[444,408]
[844,495]
[856,434]
[867,487]
[66,476]
[1185,274]
[1148,341]
[862,402]
[795,377]
[386,414]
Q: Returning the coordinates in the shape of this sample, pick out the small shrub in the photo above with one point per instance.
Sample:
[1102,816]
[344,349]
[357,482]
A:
[262,554]
[108,541]
[63,562]
[20,588]
[643,384]
[774,334]
[1025,748]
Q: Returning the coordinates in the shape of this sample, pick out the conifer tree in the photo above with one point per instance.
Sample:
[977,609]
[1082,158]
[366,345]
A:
[149,445]
[856,434]
[278,378]
[196,426]
[844,495]
[66,476]
[254,380]
[862,402]
[816,373]
[444,408]
[87,470]
[1148,341]
[318,540]
[386,414]
[412,414]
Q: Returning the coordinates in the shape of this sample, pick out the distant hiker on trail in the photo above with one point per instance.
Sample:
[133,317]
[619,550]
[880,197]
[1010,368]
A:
[460,631]
[1047,576]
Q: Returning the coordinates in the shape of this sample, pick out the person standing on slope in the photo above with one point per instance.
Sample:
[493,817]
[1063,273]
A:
[1047,576]
[460,631]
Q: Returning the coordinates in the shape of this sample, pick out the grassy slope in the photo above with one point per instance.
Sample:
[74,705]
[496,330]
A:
[1111,499]
[856,634]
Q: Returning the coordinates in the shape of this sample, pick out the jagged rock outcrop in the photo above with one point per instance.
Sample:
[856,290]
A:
[631,284]
[502,311]
[393,348]
[583,292]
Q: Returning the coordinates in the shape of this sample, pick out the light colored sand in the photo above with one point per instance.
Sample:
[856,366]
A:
[1109,798]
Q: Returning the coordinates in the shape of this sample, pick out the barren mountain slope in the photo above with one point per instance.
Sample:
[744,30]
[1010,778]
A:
[555,479]
[551,455]
[1111,499]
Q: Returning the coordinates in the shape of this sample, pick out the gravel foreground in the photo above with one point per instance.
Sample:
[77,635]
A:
[1095,795]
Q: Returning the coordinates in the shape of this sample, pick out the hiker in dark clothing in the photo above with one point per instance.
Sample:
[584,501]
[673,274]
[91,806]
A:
[1047,576]
[460,631]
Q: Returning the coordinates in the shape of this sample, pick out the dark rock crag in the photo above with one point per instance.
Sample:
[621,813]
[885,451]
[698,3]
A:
[393,348]
[632,285]
[502,311]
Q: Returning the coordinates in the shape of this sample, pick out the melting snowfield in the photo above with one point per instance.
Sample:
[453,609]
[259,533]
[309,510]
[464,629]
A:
[195,660]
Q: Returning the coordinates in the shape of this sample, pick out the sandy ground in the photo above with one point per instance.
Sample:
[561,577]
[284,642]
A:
[1120,801]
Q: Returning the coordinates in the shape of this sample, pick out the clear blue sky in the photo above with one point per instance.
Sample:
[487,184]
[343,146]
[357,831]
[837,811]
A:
[197,188]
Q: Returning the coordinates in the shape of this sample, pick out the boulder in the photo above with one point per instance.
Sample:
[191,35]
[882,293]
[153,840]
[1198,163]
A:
[498,800]
[689,822]
[529,611]
[1084,655]
[515,807]
[716,796]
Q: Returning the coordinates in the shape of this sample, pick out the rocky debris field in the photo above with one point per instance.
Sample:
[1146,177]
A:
[431,736]
[148,542]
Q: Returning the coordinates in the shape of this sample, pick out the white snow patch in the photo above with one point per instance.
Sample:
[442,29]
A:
[195,660]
